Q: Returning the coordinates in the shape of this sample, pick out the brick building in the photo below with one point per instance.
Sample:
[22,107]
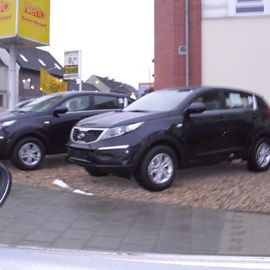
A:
[229,43]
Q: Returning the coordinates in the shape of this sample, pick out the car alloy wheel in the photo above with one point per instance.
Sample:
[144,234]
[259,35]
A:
[30,154]
[157,168]
[160,168]
[263,155]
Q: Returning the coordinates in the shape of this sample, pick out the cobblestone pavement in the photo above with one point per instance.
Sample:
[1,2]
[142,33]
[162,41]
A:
[226,186]
[46,218]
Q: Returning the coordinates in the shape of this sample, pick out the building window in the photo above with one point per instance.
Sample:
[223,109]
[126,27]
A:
[57,66]
[41,62]
[27,83]
[249,6]
[24,58]
[1,101]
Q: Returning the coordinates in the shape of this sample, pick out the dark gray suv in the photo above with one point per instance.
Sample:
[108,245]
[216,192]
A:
[174,128]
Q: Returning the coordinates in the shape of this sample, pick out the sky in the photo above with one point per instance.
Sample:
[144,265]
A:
[116,37]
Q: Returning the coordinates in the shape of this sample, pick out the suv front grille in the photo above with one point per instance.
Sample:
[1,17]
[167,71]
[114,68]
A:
[86,135]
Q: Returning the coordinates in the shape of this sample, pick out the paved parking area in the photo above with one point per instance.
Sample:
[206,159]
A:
[57,219]
[228,186]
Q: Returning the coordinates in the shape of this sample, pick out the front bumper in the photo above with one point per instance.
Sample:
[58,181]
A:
[116,159]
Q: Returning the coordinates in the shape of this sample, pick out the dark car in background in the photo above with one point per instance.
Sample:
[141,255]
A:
[43,125]
[174,128]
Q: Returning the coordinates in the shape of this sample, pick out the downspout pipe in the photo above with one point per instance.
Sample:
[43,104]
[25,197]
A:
[187,41]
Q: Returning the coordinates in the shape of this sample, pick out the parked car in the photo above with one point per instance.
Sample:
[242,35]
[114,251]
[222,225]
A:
[174,128]
[43,125]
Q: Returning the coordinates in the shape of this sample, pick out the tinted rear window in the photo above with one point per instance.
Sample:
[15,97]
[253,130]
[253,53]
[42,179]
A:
[108,102]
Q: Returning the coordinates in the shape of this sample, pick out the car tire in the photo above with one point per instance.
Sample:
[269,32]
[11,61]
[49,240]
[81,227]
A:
[259,159]
[28,154]
[157,169]
[96,173]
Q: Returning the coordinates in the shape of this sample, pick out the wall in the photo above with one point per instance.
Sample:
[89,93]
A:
[35,80]
[3,88]
[236,53]
[169,35]
[4,55]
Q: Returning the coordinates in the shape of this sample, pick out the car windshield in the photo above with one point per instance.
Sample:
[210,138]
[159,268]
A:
[158,101]
[41,104]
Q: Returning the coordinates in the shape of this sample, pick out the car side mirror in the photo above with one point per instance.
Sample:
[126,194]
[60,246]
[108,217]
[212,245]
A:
[60,110]
[195,107]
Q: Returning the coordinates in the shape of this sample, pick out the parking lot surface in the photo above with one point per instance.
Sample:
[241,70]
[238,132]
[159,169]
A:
[228,186]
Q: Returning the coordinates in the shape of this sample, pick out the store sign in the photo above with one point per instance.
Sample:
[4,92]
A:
[51,84]
[72,65]
[31,23]
[7,18]
[34,20]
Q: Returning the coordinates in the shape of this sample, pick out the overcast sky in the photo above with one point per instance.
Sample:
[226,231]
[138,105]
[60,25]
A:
[116,37]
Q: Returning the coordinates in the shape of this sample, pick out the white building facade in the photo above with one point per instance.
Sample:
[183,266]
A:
[236,44]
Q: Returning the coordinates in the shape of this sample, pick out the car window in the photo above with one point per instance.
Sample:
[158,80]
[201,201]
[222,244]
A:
[41,104]
[211,100]
[108,102]
[238,100]
[74,104]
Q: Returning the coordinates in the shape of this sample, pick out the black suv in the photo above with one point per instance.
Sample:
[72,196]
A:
[43,125]
[174,128]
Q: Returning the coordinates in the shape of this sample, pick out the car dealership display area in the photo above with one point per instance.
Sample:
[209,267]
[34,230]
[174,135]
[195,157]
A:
[226,185]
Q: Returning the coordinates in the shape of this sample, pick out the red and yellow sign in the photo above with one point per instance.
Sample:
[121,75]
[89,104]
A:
[7,18]
[50,84]
[32,20]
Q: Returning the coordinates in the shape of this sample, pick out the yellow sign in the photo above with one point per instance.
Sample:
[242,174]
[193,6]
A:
[7,18]
[25,21]
[50,84]
[34,20]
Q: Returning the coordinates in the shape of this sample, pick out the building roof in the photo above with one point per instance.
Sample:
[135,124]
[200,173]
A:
[72,85]
[36,59]
[116,86]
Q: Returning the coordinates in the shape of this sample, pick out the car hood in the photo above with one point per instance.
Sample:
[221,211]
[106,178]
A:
[7,116]
[114,119]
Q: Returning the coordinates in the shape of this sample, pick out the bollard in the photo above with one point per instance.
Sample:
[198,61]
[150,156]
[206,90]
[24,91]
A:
[5,183]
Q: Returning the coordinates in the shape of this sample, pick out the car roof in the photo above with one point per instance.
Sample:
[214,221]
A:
[74,93]
[205,88]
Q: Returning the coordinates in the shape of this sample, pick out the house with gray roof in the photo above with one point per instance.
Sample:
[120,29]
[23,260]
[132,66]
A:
[29,63]
[105,84]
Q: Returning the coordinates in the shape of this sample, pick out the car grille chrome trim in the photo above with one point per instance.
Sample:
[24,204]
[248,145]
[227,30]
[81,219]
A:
[86,135]
[114,147]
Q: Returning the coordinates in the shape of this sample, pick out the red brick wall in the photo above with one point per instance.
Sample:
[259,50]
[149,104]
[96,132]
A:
[169,34]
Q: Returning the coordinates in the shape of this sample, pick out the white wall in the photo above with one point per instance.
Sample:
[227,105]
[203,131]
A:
[236,53]
[4,56]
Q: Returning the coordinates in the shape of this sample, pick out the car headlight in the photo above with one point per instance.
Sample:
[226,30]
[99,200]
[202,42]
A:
[7,123]
[118,131]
